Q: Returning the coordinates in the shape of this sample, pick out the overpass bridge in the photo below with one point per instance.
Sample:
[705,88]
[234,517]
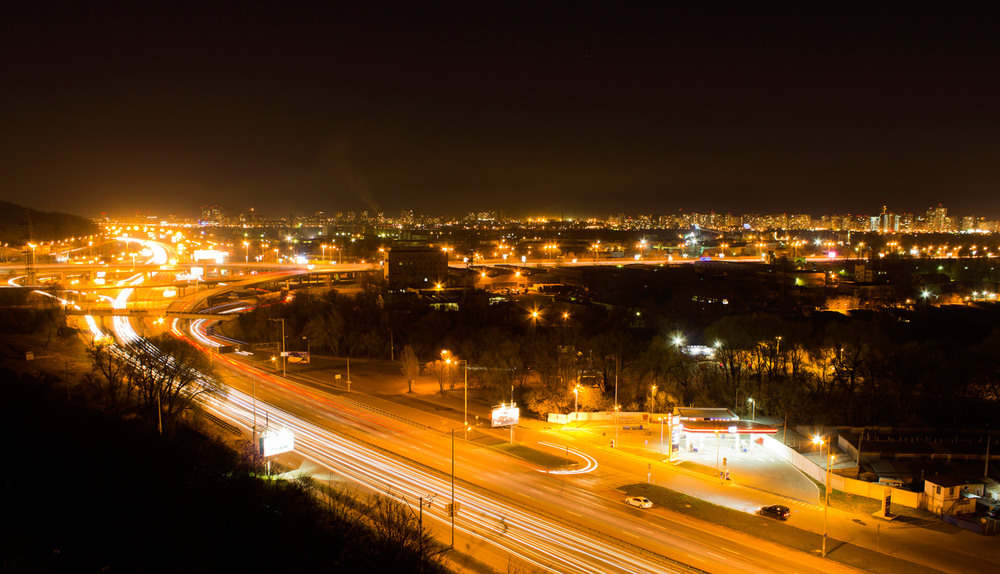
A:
[151,314]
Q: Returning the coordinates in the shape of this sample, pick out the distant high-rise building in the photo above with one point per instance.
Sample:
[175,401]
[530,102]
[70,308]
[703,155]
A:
[907,222]
[800,221]
[885,222]
[937,218]
[211,215]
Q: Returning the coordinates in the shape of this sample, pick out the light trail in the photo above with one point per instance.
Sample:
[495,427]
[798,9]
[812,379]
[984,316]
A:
[591,461]
[544,542]
[158,253]
[547,543]
[95,330]
[123,327]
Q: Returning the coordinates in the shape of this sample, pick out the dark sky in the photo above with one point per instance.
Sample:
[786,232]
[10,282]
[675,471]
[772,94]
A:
[534,108]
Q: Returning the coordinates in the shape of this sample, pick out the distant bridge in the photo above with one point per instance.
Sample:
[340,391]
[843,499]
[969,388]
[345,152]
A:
[146,314]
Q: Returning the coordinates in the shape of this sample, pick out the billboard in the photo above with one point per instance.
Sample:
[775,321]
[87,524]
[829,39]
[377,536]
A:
[297,356]
[276,442]
[209,255]
[504,416]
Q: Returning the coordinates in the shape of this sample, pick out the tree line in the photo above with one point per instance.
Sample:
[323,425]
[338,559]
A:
[891,367]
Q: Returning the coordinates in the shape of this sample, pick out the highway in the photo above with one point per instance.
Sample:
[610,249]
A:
[510,512]
[568,523]
[561,523]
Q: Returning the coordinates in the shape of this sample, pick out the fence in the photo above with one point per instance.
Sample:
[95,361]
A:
[842,483]
[623,417]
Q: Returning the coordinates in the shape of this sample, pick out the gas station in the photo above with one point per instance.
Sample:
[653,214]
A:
[701,430]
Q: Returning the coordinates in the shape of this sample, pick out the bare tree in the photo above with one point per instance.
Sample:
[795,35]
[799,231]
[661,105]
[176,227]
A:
[409,366]
[112,377]
[169,376]
[440,370]
[394,525]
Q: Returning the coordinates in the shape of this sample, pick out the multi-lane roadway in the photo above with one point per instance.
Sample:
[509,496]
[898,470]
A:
[510,512]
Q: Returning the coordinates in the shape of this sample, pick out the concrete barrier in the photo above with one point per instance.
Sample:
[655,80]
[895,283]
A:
[842,483]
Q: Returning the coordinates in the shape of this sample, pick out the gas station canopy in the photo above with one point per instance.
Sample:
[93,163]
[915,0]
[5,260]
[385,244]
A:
[727,426]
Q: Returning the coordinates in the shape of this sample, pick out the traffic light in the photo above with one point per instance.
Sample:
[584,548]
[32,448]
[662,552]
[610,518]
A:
[723,461]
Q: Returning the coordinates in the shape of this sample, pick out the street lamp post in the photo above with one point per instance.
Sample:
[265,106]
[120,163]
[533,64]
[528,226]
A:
[753,410]
[465,389]
[826,507]
[454,508]
[465,397]
[253,382]
[617,406]
[452,512]
[661,436]
[282,319]
[717,472]
[576,402]
[652,398]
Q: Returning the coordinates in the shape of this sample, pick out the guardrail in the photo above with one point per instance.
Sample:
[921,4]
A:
[222,423]
[385,413]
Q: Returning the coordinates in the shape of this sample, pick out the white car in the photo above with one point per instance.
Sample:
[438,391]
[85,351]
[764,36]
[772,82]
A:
[639,501]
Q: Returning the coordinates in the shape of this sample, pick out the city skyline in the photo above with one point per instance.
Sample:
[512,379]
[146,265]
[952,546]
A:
[563,110]
[934,219]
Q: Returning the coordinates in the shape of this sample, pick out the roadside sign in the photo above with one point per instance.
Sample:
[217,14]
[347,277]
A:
[505,415]
[276,442]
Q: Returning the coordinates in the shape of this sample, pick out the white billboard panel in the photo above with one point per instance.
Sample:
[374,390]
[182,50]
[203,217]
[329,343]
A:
[505,416]
[210,255]
[297,356]
[276,442]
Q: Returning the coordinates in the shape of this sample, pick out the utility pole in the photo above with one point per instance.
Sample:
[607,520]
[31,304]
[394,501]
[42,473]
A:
[282,319]
[253,381]
[986,469]
[465,388]
[452,512]
[617,406]
[826,507]
[860,442]
[159,414]
[420,525]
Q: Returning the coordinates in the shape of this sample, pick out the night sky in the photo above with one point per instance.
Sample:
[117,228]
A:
[571,109]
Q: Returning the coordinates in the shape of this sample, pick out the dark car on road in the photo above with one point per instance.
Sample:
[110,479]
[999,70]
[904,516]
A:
[774,511]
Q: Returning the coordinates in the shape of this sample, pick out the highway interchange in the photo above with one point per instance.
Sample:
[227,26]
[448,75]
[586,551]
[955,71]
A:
[511,515]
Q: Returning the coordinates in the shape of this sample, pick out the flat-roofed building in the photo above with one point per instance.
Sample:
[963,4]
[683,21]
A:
[417,266]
